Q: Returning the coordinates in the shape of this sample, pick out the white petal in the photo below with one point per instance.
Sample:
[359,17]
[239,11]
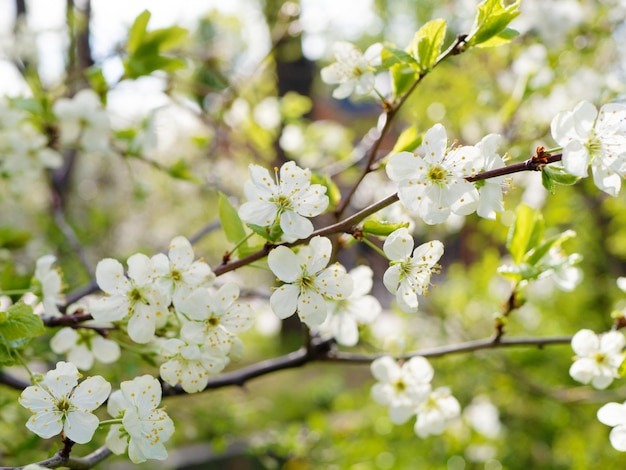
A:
[284,264]
[321,250]
[404,166]
[334,282]
[575,159]
[435,143]
[181,252]
[585,343]
[617,436]
[63,340]
[294,226]
[385,369]
[399,245]
[80,426]
[261,213]
[284,300]
[139,268]
[312,308]
[612,414]
[110,276]
[391,278]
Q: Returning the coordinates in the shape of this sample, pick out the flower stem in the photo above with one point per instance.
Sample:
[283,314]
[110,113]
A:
[110,422]
[374,247]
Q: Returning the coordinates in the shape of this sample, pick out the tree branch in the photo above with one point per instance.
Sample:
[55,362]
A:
[323,351]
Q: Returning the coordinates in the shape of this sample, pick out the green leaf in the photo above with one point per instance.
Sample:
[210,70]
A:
[20,326]
[548,181]
[294,105]
[402,78]
[500,39]
[426,45]
[13,238]
[271,233]
[559,175]
[181,170]
[408,140]
[145,49]
[98,83]
[526,233]
[391,56]
[229,218]
[492,20]
[382,228]
[138,31]
[536,254]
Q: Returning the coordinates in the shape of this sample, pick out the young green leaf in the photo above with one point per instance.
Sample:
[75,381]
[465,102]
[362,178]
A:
[526,233]
[231,223]
[426,45]
[408,140]
[492,20]
[391,56]
[20,326]
[382,228]
[402,78]
[547,180]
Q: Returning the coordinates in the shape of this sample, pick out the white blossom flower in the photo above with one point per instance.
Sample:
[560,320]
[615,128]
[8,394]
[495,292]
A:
[614,414]
[345,315]
[490,191]
[598,357]
[191,365]
[60,404]
[409,272]
[308,281]
[435,412]
[402,388]
[136,297]
[177,274]
[83,121]
[434,185]
[144,428]
[484,417]
[597,138]
[83,345]
[215,317]
[51,285]
[353,70]
[289,201]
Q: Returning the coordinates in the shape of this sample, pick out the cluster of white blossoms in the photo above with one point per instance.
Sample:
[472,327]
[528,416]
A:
[24,149]
[410,270]
[286,202]
[353,70]
[433,183]
[180,288]
[589,137]
[359,308]
[83,122]
[406,389]
[50,285]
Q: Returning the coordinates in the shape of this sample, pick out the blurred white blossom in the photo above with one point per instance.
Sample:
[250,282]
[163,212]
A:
[353,70]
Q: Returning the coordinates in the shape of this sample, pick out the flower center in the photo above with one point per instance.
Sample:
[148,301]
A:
[437,175]
[593,144]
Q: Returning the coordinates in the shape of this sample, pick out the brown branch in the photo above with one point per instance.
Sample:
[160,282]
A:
[457,47]
[323,351]
[73,463]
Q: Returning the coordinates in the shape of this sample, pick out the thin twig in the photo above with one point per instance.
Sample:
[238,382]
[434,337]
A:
[323,351]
